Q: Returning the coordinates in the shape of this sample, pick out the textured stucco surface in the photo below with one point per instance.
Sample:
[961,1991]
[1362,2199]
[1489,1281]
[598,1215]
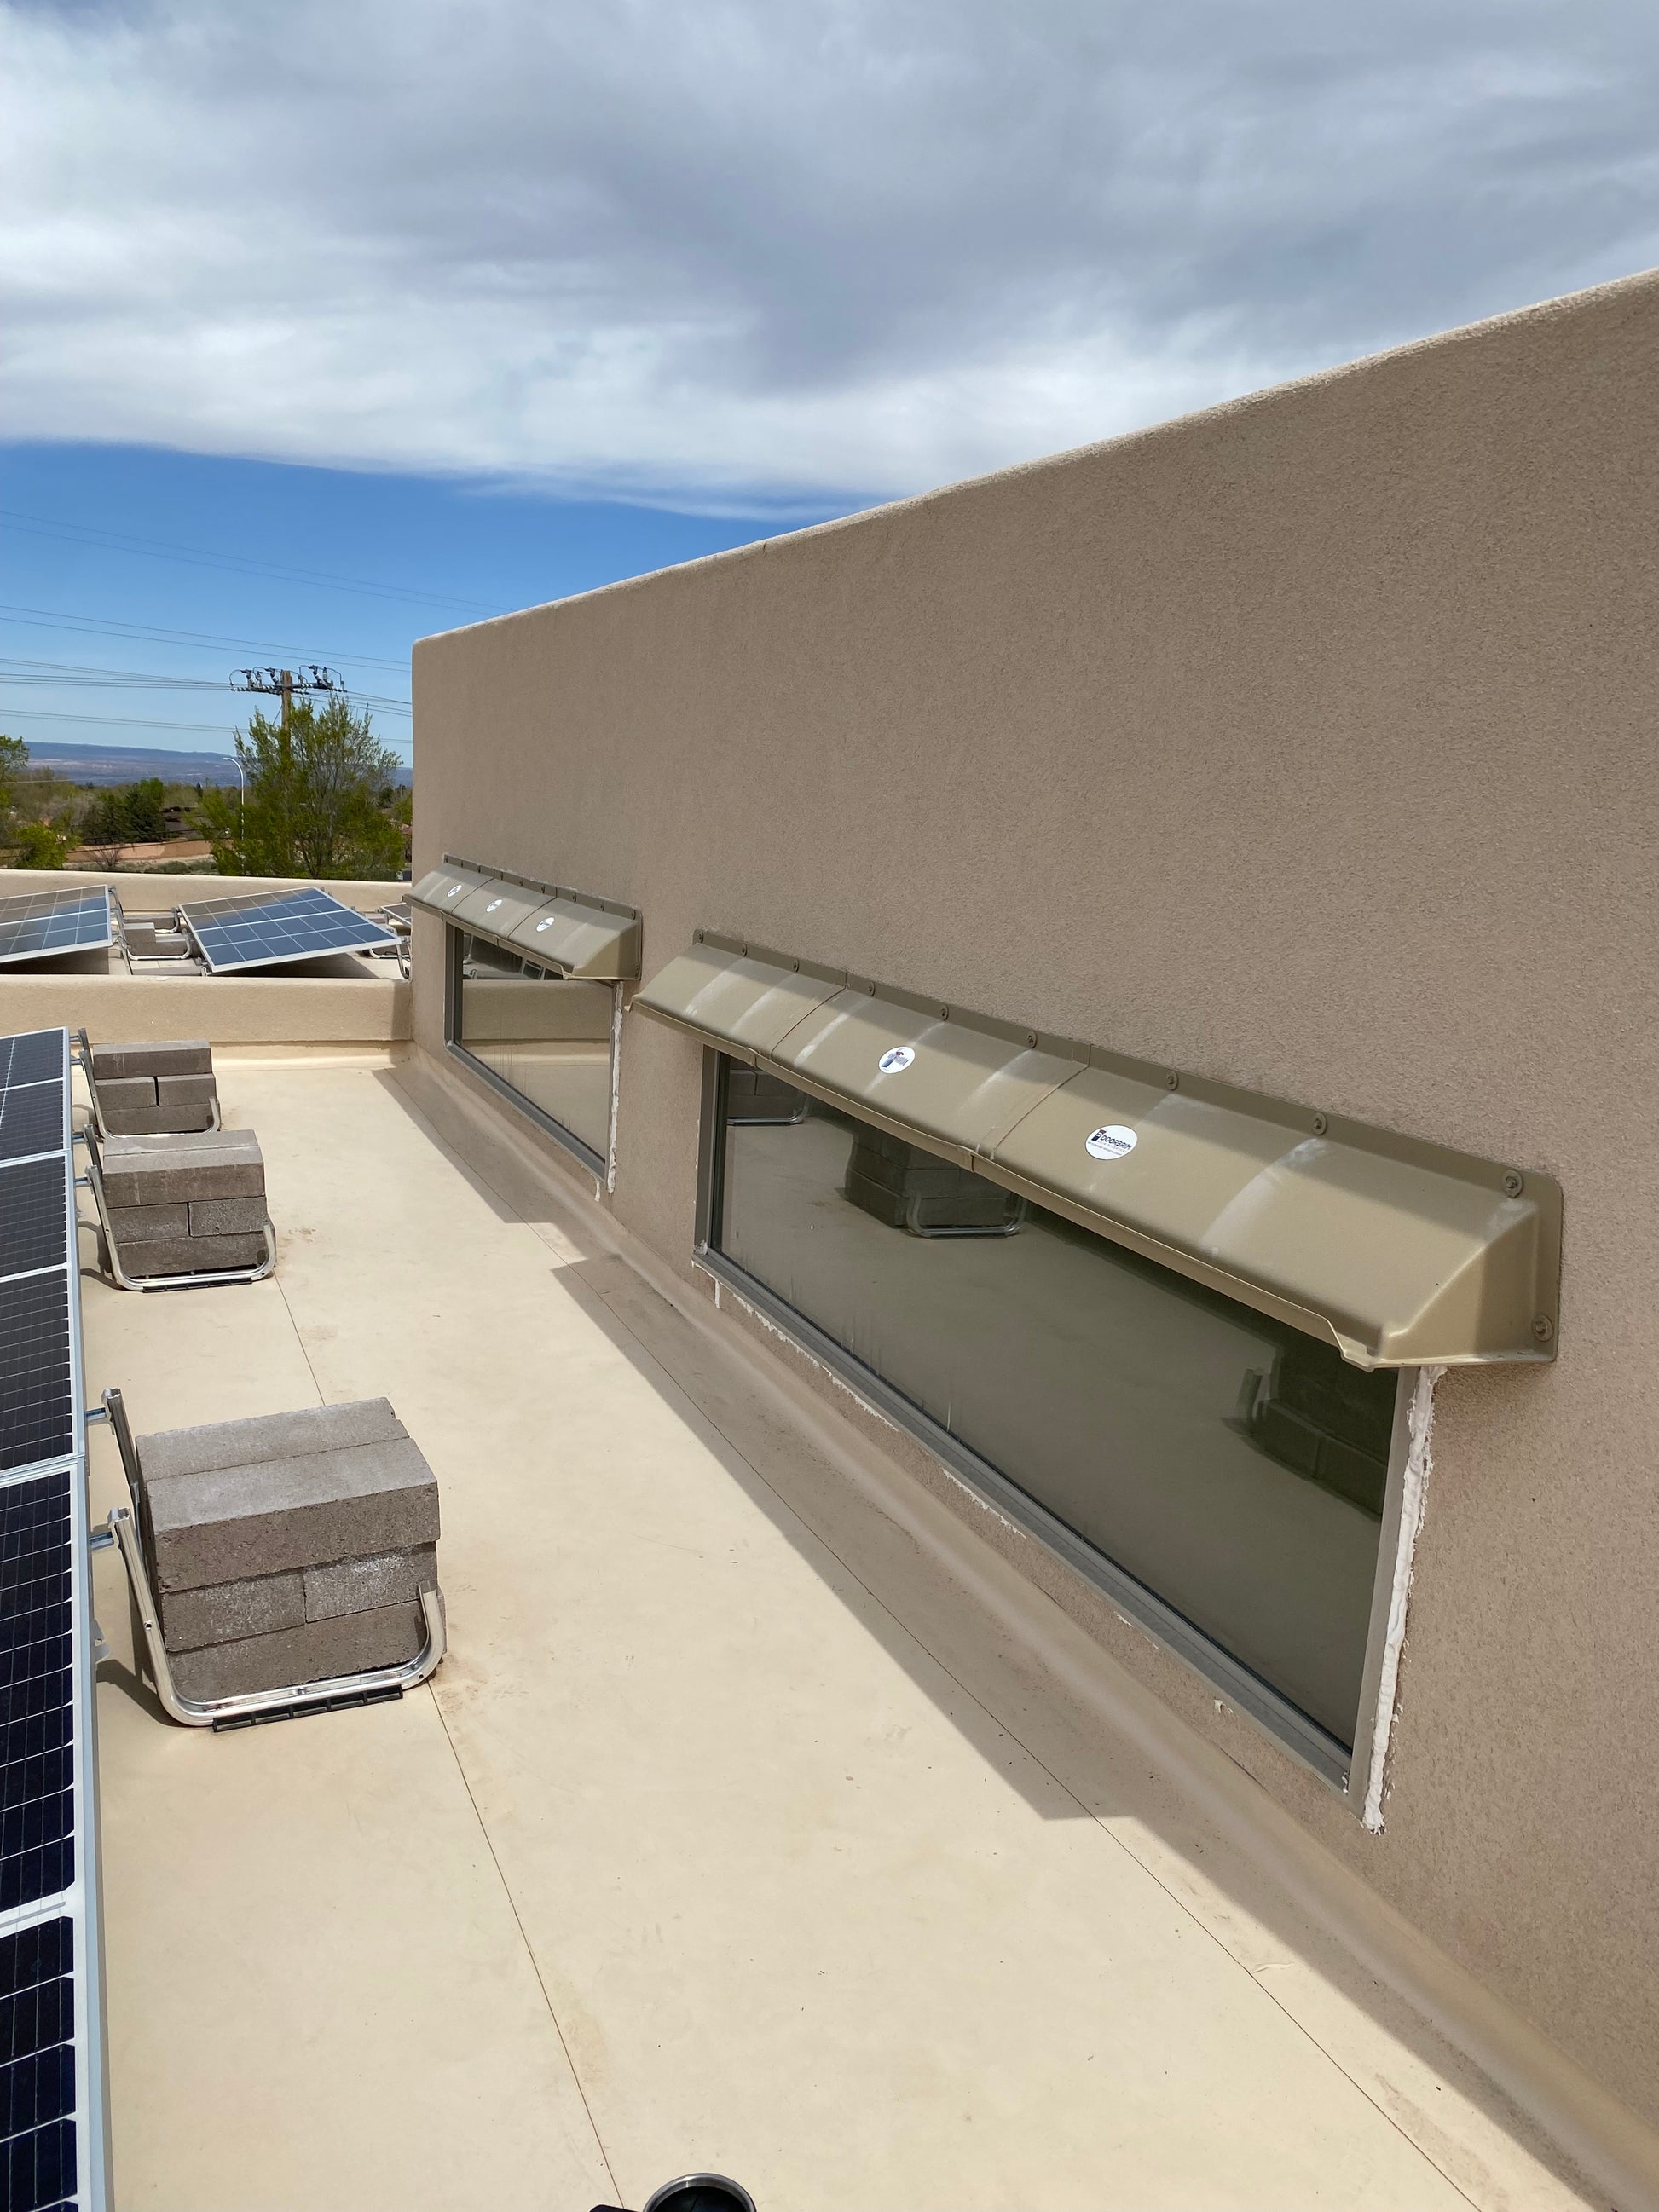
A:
[1308,744]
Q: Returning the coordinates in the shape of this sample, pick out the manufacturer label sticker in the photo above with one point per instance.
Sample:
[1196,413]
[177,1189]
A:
[455,891]
[548,924]
[1110,1143]
[893,1062]
[491,908]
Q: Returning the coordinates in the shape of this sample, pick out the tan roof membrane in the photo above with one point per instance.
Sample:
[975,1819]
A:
[1401,1252]
[597,939]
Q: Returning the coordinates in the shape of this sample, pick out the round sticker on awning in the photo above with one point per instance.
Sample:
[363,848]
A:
[1110,1143]
[455,891]
[900,1057]
[548,924]
[491,908]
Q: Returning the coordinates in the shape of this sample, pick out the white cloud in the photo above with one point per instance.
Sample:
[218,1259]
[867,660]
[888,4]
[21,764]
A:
[773,248]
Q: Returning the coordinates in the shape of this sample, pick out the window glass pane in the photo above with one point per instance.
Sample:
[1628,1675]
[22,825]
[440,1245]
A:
[549,1038]
[1233,1465]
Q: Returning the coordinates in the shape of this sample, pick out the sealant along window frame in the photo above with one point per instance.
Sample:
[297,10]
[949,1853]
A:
[1349,1772]
[603,1167]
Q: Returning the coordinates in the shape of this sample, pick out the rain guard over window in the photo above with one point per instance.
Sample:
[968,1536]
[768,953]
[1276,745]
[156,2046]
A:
[531,1003]
[1179,1377]
[567,932]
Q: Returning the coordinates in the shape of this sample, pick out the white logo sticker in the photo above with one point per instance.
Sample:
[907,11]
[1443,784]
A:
[491,908]
[1110,1143]
[455,891]
[541,926]
[893,1062]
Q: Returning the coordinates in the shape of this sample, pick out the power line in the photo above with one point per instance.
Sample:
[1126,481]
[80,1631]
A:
[195,556]
[196,640]
[56,674]
[119,721]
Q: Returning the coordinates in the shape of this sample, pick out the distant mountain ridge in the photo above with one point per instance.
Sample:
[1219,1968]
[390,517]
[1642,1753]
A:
[109,764]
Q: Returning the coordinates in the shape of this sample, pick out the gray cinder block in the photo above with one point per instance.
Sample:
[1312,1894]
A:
[350,1645]
[125,1090]
[185,1089]
[154,1221]
[361,1585]
[188,1255]
[225,1523]
[155,1120]
[153,1171]
[184,1056]
[225,1217]
[218,1445]
[232,1611]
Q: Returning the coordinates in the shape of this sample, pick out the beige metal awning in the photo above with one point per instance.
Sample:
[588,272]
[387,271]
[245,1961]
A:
[442,889]
[1400,1253]
[593,939]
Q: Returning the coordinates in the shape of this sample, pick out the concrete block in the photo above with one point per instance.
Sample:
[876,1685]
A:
[361,1585]
[121,1090]
[226,1216]
[188,1255]
[350,1645]
[225,1523]
[155,1120]
[230,1612]
[187,1056]
[185,1089]
[219,1445]
[155,1170]
[153,1221]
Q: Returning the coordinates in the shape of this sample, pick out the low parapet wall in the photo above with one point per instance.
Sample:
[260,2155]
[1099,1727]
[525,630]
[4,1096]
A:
[158,894]
[223,1009]
[250,1009]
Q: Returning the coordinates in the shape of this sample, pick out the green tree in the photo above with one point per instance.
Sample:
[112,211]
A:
[39,846]
[143,801]
[104,827]
[314,804]
[13,759]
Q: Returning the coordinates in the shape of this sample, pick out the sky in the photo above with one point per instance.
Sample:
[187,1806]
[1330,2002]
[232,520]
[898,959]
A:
[442,309]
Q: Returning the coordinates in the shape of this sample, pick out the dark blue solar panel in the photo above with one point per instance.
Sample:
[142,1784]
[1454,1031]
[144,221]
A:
[37,1384]
[37,1056]
[30,1119]
[38,2164]
[265,930]
[44,923]
[37,1781]
[34,1216]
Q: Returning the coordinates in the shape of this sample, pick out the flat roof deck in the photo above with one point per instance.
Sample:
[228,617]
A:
[733,1833]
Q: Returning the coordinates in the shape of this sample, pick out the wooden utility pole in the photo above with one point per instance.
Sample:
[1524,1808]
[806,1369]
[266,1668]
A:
[283,684]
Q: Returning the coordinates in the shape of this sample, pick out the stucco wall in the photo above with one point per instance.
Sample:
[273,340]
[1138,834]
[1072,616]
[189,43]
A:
[1308,744]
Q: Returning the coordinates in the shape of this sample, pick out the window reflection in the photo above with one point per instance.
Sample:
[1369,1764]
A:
[548,1037]
[1234,1466]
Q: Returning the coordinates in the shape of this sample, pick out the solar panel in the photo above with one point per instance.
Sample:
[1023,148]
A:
[52,2148]
[43,924]
[266,929]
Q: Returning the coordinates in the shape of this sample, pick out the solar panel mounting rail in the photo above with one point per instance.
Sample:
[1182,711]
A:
[54,2105]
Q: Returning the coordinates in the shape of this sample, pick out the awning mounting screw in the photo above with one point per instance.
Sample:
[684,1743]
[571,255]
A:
[795,964]
[1030,1037]
[1172,1081]
[1321,1124]
[1514,1184]
[944,1013]
[700,937]
[1543,1328]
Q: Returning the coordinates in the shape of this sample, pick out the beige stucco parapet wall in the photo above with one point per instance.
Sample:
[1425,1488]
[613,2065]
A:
[1307,744]
[255,1009]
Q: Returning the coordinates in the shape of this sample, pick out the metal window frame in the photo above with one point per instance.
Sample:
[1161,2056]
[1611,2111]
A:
[602,1165]
[1348,1771]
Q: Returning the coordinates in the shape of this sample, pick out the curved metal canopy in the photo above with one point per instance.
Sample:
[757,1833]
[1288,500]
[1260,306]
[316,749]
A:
[593,939]
[1401,1252]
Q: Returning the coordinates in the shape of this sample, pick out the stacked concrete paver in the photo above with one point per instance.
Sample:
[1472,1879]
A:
[290,1548]
[152,1090]
[187,1204]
